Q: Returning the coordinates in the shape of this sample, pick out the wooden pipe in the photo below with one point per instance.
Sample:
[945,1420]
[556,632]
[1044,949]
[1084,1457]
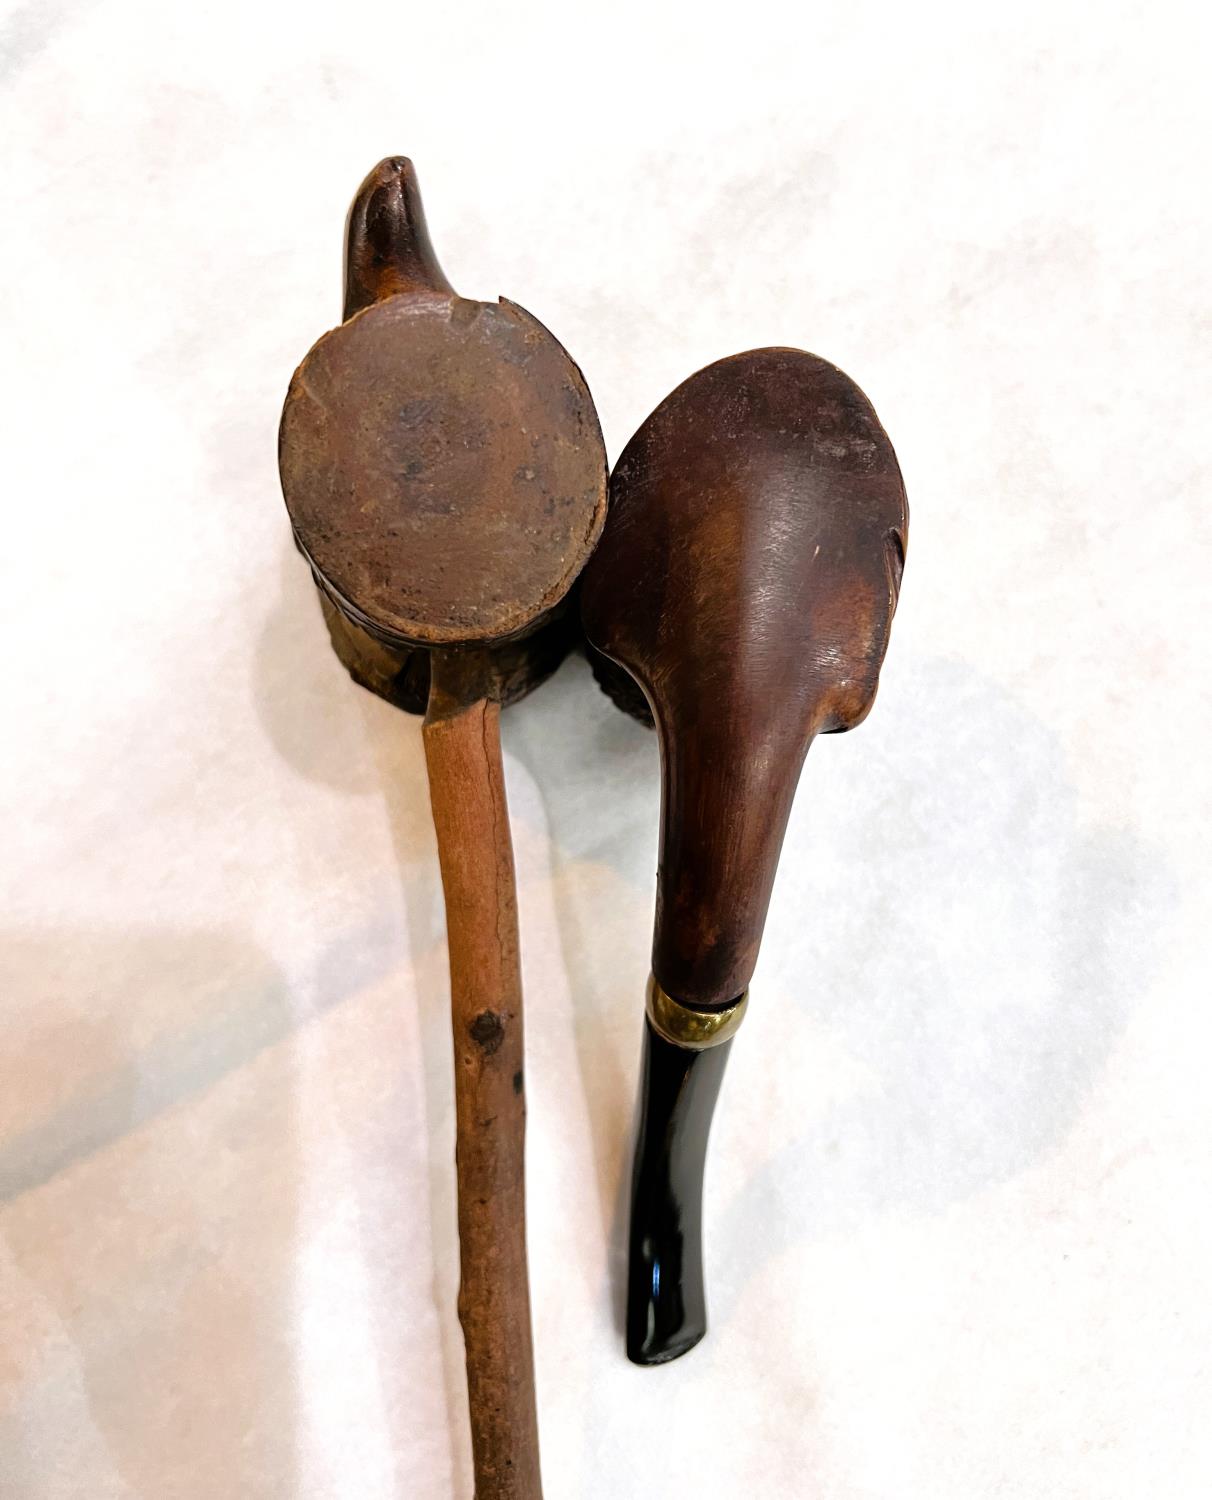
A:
[746,580]
[444,471]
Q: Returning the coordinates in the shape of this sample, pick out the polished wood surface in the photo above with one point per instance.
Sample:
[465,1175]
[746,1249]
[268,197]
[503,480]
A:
[388,251]
[746,583]
[747,580]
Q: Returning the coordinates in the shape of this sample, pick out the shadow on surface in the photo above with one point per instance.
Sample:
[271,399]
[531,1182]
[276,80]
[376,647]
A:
[147,1256]
[966,941]
[342,737]
[597,772]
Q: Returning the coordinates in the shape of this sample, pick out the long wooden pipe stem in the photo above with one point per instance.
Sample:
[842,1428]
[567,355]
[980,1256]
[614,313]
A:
[462,741]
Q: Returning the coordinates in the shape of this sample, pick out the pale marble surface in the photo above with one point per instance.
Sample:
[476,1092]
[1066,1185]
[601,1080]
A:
[960,1234]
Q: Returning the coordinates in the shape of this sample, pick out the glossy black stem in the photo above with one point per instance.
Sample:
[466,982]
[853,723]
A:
[666,1306]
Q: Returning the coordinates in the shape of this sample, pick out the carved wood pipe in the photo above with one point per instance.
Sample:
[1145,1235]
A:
[444,471]
[746,580]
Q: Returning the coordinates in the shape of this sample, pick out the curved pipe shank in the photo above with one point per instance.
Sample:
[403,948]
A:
[728,785]
[387,245]
[747,578]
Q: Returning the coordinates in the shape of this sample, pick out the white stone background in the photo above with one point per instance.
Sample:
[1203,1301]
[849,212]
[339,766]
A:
[960,1232]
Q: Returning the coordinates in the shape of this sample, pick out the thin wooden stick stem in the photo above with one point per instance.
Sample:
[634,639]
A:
[467,790]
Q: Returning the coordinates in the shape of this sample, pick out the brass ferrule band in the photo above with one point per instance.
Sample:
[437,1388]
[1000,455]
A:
[695,1030]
